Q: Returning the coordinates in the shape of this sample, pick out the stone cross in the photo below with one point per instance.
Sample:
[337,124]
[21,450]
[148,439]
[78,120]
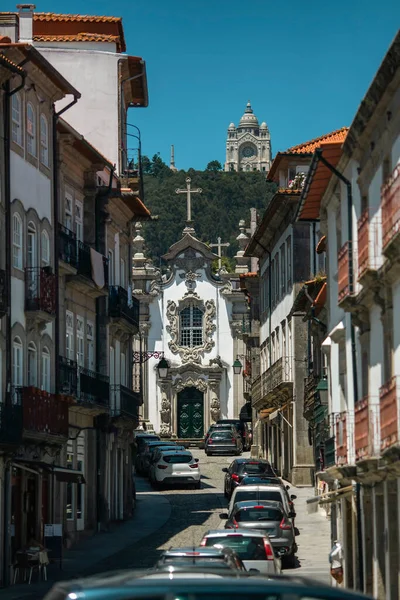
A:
[189,191]
[219,245]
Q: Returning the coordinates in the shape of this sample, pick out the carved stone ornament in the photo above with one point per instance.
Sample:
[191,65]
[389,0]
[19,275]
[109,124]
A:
[165,413]
[189,261]
[188,354]
[189,381]
[226,288]
[215,409]
[155,287]
[237,328]
[144,328]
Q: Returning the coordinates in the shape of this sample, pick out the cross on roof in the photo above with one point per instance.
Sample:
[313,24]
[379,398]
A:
[189,191]
[220,245]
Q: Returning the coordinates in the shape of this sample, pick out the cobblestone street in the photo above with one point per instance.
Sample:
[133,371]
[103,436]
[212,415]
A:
[177,517]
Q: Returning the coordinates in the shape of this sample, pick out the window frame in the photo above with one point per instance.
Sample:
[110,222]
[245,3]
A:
[31,136]
[16,132]
[32,350]
[45,365]
[18,246]
[18,350]
[45,236]
[191,328]
[80,341]
[44,140]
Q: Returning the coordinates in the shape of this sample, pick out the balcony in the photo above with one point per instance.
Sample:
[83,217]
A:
[119,310]
[344,438]
[390,202]
[389,413]
[68,377]
[345,283]
[126,402]
[274,386]
[310,387]
[85,268]
[94,390]
[369,243]
[366,429]
[44,415]
[330,452]
[40,294]
[10,425]
[3,293]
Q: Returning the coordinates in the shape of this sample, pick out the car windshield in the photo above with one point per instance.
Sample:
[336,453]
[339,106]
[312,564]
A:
[221,435]
[258,514]
[248,548]
[256,468]
[173,459]
[240,495]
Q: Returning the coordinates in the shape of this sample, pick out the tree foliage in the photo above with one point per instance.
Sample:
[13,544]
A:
[226,199]
[214,165]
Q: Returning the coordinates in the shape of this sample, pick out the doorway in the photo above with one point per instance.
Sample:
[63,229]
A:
[190,413]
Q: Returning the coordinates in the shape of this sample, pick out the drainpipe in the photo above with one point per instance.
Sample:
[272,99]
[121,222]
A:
[8,399]
[269,298]
[353,343]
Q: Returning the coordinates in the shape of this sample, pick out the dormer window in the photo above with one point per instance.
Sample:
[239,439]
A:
[191,326]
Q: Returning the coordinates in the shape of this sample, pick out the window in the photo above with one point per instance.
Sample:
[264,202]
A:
[191,321]
[90,345]
[44,141]
[45,369]
[80,346]
[32,365]
[18,362]
[17,241]
[68,211]
[70,486]
[79,220]
[123,369]
[283,267]
[122,281]
[30,129]
[31,253]
[110,267]
[69,335]
[16,115]
[289,261]
[277,273]
[45,248]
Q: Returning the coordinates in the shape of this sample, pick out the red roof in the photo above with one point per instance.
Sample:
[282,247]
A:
[339,135]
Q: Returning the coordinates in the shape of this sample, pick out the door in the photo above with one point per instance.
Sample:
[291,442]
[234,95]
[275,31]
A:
[190,413]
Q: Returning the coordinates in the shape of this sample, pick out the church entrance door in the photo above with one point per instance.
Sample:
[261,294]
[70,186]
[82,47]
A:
[190,413]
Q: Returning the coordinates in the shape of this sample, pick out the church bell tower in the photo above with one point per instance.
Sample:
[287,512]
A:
[248,146]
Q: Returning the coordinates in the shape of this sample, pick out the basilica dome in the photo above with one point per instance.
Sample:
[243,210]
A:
[249,119]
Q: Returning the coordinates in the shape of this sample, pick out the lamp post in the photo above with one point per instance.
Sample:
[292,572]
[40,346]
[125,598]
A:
[140,357]
[237,365]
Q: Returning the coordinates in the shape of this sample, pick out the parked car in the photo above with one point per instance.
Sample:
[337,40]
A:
[219,426]
[157,452]
[241,467]
[177,466]
[224,558]
[262,492]
[242,428]
[253,547]
[252,480]
[270,518]
[223,442]
[144,457]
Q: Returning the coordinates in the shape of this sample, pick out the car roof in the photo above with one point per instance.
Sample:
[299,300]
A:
[252,503]
[177,451]
[254,461]
[258,487]
[230,532]
[199,551]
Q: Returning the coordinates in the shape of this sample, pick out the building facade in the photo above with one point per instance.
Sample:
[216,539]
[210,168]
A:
[248,146]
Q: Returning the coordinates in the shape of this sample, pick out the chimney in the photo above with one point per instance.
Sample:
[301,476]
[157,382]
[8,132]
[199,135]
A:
[26,22]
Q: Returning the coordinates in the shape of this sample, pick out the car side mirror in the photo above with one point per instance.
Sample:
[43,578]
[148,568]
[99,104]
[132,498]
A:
[293,497]
[292,514]
[288,487]
[224,470]
[223,516]
[296,531]
[196,460]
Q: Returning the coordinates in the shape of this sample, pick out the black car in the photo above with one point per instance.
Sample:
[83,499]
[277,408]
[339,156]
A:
[241,467]
[242,428]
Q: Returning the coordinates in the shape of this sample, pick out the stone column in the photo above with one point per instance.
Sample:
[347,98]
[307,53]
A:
[392,545]
[378,542]
[368,535]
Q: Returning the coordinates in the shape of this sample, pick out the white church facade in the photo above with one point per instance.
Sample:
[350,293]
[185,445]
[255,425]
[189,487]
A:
[248,146]
[195,319]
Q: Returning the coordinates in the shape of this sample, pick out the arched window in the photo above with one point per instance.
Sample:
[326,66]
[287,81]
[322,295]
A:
[17,241]
[18,362]
[45,248]
[191,326]
[32,364]
[16,119]
[30,129]
[44,141]
[45,369]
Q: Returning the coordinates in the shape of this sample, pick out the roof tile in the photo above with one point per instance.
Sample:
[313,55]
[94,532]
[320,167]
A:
[78,37]
[339,135]
[66,17]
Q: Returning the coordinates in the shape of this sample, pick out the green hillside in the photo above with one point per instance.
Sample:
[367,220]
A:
[226,199]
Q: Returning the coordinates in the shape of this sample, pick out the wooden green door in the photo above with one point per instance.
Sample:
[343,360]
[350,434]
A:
[190,413]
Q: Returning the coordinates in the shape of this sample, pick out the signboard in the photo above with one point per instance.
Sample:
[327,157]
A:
[53,541]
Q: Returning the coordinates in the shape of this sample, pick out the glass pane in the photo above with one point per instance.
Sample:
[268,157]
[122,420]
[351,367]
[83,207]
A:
[248,548]
[262,514]
[70,490]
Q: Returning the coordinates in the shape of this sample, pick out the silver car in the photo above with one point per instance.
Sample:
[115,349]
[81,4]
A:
[270,518]
[262,492]
[253,547]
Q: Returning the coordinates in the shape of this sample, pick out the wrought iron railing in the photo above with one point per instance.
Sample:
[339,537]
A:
[119,307]
[390,202]
[330,452]
[40,289]
[94,388]
[369,243]
[389,413]
[125,401]
[280,372]
[68,251]
[366,428]
[43,412]
[345,287]
[68,376]
[345,437]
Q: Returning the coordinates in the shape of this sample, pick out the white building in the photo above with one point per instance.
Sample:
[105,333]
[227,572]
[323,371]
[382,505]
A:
[248,146]
[195,319]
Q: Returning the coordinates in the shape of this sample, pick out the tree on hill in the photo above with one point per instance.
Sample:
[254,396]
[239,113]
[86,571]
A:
[214,165]
[226,199]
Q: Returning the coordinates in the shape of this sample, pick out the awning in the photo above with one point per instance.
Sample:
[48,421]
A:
[61,473]
[68,475]
[332,496]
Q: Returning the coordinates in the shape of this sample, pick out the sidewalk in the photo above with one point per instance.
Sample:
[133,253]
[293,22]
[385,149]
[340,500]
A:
[152,512]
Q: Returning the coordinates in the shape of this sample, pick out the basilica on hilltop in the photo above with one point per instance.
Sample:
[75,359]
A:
[248,146]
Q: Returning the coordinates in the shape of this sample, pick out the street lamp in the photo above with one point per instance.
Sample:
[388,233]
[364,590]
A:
[162,368]
[237,366]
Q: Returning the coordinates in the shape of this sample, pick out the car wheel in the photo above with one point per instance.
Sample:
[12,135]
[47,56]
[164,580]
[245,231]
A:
[226,492]
[289,561]
[197,485]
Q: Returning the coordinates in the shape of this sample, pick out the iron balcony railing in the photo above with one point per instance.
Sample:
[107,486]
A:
[43,412]
[77,254]
[389,413]
[11,424]
[125,401]
[68,376]
[345,438]
[390,202]
[94,387]
[366,428]
[119,306]
[345,283]
[330,452]
[280,372]
[40,289]
[369,243]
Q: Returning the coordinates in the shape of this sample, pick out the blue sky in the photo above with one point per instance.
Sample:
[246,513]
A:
[305,66]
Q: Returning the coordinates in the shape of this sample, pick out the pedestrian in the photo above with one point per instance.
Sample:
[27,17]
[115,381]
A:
[144,426]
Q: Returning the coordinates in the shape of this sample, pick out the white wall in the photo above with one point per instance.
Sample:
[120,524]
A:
[18,301]
[31,187]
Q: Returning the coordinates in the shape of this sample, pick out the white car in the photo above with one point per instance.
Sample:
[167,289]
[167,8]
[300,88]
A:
[176,466]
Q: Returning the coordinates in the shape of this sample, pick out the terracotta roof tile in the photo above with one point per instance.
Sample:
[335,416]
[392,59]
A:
[250,274]
[7,62]
[79,37]
[65,17]
[339,135]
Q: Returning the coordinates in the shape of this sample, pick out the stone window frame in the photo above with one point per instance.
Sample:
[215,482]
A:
[18,333]
[19,267]
[31,131]
[44,146]
[191,328]
[19,139]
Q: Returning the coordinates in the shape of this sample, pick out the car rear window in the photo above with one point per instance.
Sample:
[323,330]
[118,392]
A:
[174,459]
[260,480]
[221,435]
[258,514]
[197,561]
[248,548]
[240,496]
[267,495]
[256,468]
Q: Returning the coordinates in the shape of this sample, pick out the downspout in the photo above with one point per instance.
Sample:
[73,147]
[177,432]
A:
[8,399]
[353,342]
[269,298]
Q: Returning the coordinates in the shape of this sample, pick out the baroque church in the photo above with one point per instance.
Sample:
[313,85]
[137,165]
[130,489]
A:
[196,320]
[248,146]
